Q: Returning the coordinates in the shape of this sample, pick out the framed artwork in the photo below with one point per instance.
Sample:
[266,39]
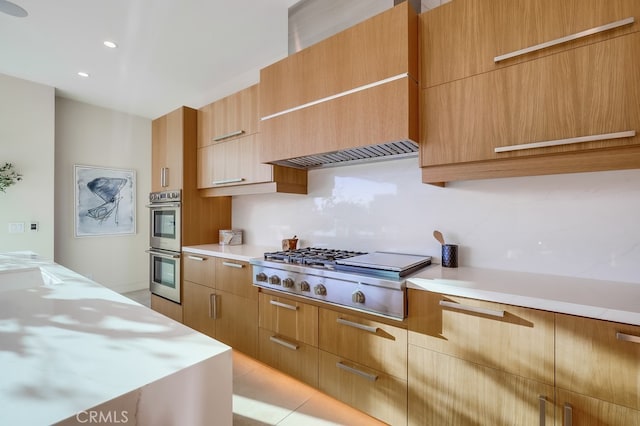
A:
[105,201]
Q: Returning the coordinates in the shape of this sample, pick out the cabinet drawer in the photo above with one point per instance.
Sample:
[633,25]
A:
[584,92]
[521,341]
[593,412]
[234,276]
[290,318]
[290,356]
[444,390]
[376,393]
[198,269]
[485,29]
[379,346]
[598,358]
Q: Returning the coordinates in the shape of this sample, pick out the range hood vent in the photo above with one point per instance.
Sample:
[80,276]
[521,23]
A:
[365,154]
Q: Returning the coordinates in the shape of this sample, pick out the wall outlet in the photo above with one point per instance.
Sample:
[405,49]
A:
[16,227]
[34,226]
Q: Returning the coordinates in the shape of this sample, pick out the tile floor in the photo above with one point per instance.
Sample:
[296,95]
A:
[264,396]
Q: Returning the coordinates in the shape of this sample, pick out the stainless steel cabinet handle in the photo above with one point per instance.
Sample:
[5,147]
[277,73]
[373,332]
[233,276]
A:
[474,309]
[370,377]
[231,180]
[213,306]
[569,141]
[543,411]
[163,177]
[284,343]
[228,135]
[283,305]
[197,258]
[627,337]
[565,39]
[568,414]
[368,328]
[233,265]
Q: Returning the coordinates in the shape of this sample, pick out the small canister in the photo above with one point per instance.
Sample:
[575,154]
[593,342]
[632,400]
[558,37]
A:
[230,237]
[450,255]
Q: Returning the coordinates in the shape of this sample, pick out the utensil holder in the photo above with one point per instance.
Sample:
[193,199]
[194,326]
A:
[450,255]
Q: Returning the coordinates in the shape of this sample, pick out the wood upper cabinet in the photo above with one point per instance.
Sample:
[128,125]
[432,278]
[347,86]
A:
[462,38]
[600,360]
[588,91]
[232,117]
[305,100]
[169,134]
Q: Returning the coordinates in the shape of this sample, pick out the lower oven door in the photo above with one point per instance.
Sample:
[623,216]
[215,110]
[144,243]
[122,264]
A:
[165,274]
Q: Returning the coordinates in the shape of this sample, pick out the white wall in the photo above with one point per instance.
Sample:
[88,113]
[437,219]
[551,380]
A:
[27,140]
[585,225]
[93,136]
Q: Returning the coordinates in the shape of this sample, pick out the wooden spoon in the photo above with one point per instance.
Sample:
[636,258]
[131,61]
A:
[438,236]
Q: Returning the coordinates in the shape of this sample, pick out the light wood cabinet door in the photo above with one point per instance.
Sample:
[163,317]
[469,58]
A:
[231,117]
[377,345]
[288,355]
[233,162]
[600,359]
[289,318]
[236,322]
[509,338]
[199,269]
[591,90]
[234,276]
[378,394]
[198,308]
[444,390]
[576,410]
[167,136]
[378,48]
[462,38]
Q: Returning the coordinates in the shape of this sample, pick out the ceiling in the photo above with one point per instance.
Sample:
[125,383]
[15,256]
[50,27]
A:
[170,53]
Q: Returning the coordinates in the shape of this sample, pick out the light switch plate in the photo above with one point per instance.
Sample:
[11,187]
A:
[16,227]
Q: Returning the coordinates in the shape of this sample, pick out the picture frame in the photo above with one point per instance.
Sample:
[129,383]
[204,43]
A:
[105,201]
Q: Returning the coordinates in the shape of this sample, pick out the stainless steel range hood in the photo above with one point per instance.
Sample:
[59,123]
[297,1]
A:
[365,154]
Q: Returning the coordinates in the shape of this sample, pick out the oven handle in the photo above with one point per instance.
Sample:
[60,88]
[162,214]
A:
[154,205]
[163,254]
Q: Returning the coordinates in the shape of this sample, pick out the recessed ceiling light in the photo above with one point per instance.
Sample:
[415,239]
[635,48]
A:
[110,44]
[83,74]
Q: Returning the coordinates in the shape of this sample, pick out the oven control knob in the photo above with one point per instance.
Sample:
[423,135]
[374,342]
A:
[288,283]
[357,297]
[261,277]
[304,286]
[274,279]
[320,290]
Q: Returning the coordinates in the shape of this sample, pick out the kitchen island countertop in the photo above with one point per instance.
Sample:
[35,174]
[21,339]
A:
[598,299]
[73,351]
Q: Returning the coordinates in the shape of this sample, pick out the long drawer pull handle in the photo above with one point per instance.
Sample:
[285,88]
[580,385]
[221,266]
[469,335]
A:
[543,409]
[568,414]
[368,376]
[565,39]
[474,309]
[283,305]
[368,328]
[337,95]
[213,306]
[197,258]
[627,337]
[231,180]
[233,265]
[569,141]
[228,135]
[284,343]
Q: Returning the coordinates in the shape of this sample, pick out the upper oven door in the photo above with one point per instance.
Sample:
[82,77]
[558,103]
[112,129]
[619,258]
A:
[165,226]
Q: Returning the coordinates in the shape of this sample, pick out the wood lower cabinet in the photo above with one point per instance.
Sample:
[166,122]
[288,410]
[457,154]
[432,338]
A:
[445,390]
[166,307]
[223,303]
[289,337]
[600,361]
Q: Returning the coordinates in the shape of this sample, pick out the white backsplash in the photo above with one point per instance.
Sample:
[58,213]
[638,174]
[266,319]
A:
[584,225]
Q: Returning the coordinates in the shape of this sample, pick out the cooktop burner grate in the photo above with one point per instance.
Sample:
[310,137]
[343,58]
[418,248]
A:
[312,256]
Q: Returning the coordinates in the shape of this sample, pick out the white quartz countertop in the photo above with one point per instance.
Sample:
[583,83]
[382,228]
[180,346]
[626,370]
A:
[242,252]
[605,300]
[68,344]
